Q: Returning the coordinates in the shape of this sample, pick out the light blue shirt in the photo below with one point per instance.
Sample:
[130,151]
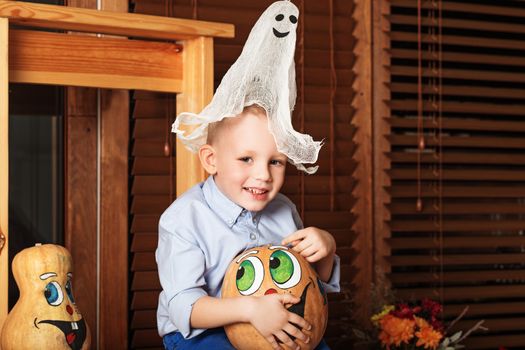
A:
[199,235]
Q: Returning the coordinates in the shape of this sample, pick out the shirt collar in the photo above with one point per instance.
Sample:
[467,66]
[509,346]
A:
[224,207]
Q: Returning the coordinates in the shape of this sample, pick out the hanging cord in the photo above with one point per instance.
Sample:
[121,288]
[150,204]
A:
[195,6]
[301,96]
[440,145]
[333,90]
[435,105]
[420,138]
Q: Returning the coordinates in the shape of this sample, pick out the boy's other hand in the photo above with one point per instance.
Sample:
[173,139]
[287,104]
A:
[269,316]
[312,243]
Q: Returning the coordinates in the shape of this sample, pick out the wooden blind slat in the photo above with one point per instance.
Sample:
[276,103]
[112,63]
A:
[461,23]
[460,158]
[462,90]
[463,57]
[480,191]
[144,261]
[144,242]
[457,225]
[464,207]
[467,8]
[474,259]
[144,300]
[461,124]
[473,276]
[464,140]
[457,242]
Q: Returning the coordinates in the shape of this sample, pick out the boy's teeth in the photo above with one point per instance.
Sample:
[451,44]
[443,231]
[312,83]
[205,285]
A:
[254,191]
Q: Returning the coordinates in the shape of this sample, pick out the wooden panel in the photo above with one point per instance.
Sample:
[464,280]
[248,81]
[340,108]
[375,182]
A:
[197,93]
[114,219]
[126,24]
[4,169]
[80,60]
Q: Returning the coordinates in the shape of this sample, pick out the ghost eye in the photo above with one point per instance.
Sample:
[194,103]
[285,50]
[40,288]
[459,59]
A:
[293,19]
[53,293]
[249,276]
[285,269]
[279,17]
[69,291]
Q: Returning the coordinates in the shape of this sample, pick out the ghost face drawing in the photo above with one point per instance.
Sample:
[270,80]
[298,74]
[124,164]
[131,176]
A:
[281,20]
[45,316]
[275,269]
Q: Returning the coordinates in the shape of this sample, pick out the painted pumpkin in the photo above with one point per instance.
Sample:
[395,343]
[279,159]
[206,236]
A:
[275,269]
[45,316]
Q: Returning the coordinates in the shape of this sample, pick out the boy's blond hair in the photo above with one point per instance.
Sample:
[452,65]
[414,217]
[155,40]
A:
[214,129]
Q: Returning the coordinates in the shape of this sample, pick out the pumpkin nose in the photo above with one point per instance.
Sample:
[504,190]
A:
[270,291]
[69,309]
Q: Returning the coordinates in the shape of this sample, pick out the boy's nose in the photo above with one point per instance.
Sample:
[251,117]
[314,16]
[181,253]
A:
[263,173]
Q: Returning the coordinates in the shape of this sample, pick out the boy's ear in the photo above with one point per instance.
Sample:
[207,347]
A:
[208,159]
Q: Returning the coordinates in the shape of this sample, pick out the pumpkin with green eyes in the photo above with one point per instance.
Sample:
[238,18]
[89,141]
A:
[275,269]
[45,316]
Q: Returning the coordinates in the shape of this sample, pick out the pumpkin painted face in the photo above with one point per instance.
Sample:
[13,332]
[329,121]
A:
[275,269]
[45,315]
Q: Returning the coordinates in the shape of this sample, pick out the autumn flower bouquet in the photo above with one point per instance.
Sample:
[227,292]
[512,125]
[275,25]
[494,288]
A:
[417,326]
[403,326]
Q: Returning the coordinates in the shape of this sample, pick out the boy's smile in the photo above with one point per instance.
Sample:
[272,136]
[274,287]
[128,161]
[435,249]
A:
[244,160]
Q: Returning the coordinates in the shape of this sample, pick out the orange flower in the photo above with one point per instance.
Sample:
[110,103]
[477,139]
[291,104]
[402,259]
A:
[427,336]
[395,330]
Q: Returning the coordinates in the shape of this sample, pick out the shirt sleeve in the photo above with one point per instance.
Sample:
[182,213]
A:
[332,286]
[181,266]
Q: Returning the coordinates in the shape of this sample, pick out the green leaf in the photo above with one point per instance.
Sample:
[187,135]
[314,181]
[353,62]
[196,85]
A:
[455,337]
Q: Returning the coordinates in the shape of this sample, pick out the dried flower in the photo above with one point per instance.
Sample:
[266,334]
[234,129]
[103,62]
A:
[395,331]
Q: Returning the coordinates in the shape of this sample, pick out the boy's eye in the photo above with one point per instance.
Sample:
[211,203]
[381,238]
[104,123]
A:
[276,162]
[245,159]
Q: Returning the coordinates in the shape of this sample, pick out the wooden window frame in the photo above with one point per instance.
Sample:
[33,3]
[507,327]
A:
[29,56]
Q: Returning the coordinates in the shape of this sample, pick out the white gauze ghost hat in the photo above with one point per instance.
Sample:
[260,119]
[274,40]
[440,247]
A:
[264,74]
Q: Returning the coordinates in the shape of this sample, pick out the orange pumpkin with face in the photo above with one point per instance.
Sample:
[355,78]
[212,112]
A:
[275,269]
[45,316]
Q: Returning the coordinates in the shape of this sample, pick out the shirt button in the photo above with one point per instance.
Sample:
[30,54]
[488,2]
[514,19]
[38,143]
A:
[252,236]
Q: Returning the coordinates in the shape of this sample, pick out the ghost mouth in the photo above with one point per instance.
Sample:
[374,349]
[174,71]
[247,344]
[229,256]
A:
[279,34]
[74,332]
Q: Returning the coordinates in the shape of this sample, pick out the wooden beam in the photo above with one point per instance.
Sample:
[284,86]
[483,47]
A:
[105,22]
[114,143]
[196,93]
[91,61]
[4,168]
[381,126]
[114,231]
[363,191]
[80,234]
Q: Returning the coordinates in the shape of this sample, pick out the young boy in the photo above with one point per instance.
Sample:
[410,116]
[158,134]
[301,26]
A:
[239,206]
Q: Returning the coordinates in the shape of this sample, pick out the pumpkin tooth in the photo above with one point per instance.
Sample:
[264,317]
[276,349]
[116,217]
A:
[74,326]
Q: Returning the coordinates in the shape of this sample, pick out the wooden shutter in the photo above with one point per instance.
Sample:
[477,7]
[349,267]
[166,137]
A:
[324,199]
[476,255]
[152,190]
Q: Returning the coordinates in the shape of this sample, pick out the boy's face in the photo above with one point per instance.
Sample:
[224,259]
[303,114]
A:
[248,169]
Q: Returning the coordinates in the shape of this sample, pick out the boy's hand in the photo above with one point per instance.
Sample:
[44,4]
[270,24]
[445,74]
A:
[312,243]
[270,317]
